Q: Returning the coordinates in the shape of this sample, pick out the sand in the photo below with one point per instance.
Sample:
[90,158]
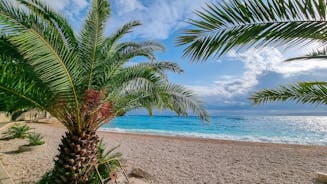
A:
[180,160]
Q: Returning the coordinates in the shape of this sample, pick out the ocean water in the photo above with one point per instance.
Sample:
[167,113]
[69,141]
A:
[277,129]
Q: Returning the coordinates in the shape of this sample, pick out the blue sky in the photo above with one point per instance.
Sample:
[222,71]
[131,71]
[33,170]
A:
[225,83]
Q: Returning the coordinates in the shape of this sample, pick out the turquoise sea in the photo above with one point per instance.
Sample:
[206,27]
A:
[277,129]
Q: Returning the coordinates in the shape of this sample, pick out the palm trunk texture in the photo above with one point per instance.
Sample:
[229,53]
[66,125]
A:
[77,156]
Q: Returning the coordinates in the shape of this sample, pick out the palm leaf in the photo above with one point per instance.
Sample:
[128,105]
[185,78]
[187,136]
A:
[54,19]
[223,26]
[316,54]
[116,36]
[303,92]
[41,47]
[19,88]
[92,36]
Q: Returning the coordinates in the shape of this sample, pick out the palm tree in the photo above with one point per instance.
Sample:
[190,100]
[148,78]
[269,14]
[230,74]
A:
[83,80]
[240,24]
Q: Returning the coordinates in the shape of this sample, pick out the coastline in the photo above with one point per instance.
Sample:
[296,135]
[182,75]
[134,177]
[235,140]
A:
[211,140]
[270,129]
[180,160]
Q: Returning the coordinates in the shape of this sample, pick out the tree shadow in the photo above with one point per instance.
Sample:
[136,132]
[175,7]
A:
[316,181]
[12,152]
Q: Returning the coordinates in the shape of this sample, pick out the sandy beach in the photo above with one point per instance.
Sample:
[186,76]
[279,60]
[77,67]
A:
[179,160]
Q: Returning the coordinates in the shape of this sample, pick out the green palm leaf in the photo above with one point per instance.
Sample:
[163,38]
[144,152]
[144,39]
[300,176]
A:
[226,25]
[19,88]
[92,36]
[316,54]
[303,92]
[41,47]
[54,19]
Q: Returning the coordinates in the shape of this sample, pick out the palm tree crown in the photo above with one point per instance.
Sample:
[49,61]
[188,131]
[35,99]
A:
[221,27]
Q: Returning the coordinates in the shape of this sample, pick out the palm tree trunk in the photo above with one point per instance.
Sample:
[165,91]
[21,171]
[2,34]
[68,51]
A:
[77,156]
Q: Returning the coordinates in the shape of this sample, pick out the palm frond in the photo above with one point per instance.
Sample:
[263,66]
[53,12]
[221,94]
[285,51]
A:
[223,26]
[92,36]
[162,96]
[125,29]
[180,100]
[151,71]
[304,92]
[40,45]
[54,19]
[9,50]
[153,46]
[113,60]
[316,54]
[20,88]
[127,51]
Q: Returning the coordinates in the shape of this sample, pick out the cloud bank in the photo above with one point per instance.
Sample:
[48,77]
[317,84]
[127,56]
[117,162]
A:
[159,18]
[257,63]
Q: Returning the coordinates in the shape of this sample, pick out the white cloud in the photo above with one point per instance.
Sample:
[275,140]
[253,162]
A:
[58,4]
[159,18]
[72,9]
[257,62]
[126,6]
[80,4]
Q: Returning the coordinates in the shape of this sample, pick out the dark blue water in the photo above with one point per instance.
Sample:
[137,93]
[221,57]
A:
[278,129]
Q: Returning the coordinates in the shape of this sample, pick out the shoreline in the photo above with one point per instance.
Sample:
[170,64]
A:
[210,140]
[175,136]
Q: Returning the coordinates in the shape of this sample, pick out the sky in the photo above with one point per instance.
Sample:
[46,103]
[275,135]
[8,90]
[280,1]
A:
[225,83]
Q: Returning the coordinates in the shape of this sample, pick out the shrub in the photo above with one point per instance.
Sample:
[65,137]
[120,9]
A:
[108,162]
[17,131]
[35,139]
[46,178]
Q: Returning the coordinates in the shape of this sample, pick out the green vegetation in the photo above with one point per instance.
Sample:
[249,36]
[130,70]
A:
[238,24]
[46,178]
[108,162]
[35,139]
[83,81]
[17,131]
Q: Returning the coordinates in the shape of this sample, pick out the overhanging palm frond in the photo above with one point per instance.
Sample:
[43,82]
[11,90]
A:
[316,54]
[237,23]
[42,47]
[304,92]
[54,19]
[20,88]
[9,50]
